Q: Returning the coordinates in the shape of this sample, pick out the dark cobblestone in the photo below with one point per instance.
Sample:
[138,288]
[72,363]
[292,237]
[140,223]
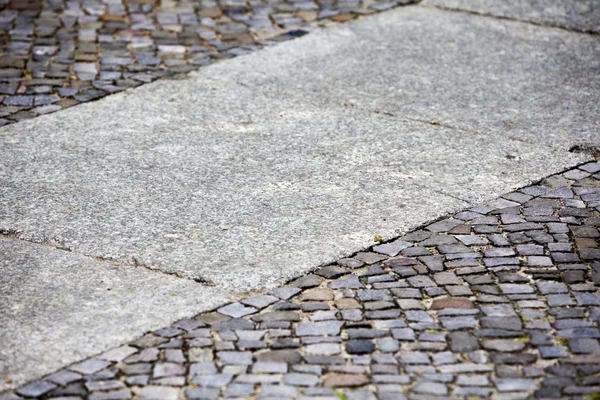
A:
[526,330]
[58,53]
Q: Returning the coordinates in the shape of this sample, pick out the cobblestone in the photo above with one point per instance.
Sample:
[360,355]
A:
[65,52]
[526,332]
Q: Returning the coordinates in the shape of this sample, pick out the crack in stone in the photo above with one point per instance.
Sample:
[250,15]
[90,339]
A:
[13,234]
[512,309]
[513,19]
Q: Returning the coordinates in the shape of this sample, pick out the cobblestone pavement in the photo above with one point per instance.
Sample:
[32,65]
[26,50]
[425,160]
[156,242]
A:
[58,53]
[499,301]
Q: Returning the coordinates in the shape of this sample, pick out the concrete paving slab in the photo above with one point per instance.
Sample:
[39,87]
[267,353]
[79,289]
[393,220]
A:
[59,307]
[508,79]
[580,15]
[216,182]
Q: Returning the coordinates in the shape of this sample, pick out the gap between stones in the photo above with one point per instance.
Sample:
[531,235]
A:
[533,183]
[14,235]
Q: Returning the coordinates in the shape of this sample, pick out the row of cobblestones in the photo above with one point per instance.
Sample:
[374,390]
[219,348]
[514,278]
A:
[499,301]
[58,53]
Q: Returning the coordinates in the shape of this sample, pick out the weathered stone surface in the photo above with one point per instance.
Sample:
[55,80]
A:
[260,301]
[277,316]
[297,379]
[345,380]
[118,354]
[373,295]
[432,388]
[286,292]
[452,302]
[36,389]
[581,16]
[236,310]
[286,356]
[393,248]
[347,282]
[323,349]
[189,246]
[235,357]
[539,221]
[317,295]
[327,336]
[463,342]
[446,278]
[503,345]
[158,392]
[168,369]
[307,281]
[359,347]
[117,35]
[587,299]
[75,291]
[319,328]
[452,103]
[331,271]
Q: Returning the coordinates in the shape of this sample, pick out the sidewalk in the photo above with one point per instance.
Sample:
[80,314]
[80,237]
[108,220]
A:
[123,215]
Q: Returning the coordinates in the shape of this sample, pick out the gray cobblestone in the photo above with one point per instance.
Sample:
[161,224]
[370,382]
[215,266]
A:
[530,330]
[60,52]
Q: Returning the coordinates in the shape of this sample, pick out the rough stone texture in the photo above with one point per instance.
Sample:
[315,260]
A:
[172,212]
[507,342]
[59,307]
[58,53]
[183,196]
[424,76]
[581,15]
[140,178]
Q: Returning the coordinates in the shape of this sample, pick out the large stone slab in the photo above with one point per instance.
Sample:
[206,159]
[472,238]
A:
[218,182]
[580,15]
[59,307]
[509,79]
